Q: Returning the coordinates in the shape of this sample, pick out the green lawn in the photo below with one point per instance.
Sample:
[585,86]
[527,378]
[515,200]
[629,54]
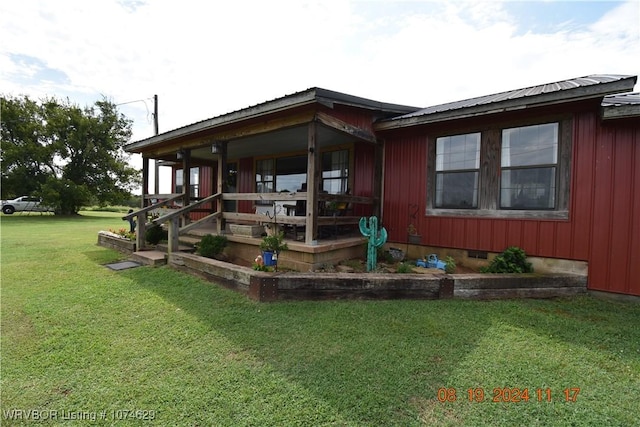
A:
[80,340]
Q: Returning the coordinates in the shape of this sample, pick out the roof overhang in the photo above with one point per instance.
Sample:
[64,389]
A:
[290,103]
[516,100]
[623,106]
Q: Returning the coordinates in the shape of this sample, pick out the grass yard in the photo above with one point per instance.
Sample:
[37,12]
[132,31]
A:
[82,341]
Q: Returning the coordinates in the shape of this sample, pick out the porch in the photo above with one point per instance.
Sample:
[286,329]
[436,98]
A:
[243,249]
[337,237]
[308,164]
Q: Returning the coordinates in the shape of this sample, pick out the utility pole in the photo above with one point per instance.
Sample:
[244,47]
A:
[155,162]
[155,114]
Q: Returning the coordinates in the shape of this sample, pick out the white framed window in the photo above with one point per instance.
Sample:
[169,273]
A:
[194,177]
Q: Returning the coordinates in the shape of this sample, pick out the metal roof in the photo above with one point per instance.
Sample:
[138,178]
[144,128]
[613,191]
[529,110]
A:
[549,93]
[308,96]
[621,106]
[618,100]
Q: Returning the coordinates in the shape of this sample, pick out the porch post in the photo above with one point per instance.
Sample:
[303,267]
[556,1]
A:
[174,232]
[141,231]
[156,177]
[222,187]
[145,181]
[313,167]
[141,226]
[186,177]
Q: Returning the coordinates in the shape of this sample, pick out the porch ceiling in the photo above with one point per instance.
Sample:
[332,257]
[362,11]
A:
[275,142]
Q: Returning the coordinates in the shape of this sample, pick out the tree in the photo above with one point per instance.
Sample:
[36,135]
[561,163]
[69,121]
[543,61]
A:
[69,156]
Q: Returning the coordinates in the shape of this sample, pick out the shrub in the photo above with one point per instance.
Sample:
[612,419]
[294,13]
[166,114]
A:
[210,245]
[259,267]
[512,260]
[155,234]
[449,265]
[404,267]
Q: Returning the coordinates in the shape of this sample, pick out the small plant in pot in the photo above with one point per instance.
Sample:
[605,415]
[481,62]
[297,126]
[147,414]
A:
[271,246]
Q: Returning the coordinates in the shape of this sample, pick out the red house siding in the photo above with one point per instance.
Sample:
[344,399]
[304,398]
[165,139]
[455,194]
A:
[363,175]
[614,258]
[604,210]
[246,184]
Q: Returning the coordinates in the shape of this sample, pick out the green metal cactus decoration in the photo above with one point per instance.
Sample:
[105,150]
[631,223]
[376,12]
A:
[376,237]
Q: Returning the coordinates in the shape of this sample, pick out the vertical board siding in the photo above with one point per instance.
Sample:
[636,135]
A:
[486,234]
[604,208]
[633,286]
[404,188]
[246,184]
[205,187]
[615,252]
[353,116]
[546,239]
[206,183]
[620,221]
[582,194]
[363,176]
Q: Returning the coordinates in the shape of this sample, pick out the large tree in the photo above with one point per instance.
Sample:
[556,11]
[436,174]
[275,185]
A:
[70,156]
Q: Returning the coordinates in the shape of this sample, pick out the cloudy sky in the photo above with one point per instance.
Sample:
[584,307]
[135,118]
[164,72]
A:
[206,58]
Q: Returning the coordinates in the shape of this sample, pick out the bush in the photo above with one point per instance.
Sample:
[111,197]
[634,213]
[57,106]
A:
[404,267]
[155,234]
[449,265]
[210,245]
[512,260]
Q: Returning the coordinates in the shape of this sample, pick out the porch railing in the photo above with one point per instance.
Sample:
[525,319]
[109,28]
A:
[173,217]
[141,214]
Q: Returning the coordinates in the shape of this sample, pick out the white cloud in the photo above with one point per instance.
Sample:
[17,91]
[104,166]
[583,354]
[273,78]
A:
[209,58]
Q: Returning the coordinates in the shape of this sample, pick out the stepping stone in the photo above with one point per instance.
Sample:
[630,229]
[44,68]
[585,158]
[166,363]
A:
[123,265]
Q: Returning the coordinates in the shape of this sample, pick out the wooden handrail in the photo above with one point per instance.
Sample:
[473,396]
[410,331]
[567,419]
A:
[184,210]
[152,207]
[285,196]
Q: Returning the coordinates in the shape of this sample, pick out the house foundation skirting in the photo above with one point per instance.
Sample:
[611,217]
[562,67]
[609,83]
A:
[299,257]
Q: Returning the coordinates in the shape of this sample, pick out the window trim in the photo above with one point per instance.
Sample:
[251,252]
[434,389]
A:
[194,186]
[554,166]
[349,148]
[457,171]
[489,183]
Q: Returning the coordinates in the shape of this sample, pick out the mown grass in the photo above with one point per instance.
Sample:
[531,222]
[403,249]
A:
[79,337]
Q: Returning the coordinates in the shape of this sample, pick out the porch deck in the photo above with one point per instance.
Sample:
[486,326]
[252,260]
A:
[328,250]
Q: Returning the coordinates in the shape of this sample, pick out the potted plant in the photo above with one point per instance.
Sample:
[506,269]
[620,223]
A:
[271,246]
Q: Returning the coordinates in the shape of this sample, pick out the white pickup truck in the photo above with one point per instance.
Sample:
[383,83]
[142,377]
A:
[23,204]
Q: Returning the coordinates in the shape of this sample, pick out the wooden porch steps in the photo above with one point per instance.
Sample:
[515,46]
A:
[182,246]
[152,258]
[189,240]
[186,243]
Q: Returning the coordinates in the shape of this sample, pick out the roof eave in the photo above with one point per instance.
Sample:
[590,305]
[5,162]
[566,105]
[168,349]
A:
[540,100]
[315,95]
[613,112]
[297,100]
